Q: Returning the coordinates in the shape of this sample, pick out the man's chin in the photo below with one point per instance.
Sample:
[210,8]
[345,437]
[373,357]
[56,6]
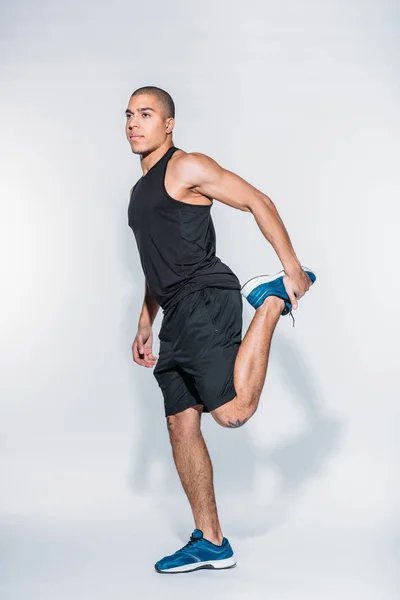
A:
[137,150]
[141,149]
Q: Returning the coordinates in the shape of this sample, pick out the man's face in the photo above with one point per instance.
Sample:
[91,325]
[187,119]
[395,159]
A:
[146,126]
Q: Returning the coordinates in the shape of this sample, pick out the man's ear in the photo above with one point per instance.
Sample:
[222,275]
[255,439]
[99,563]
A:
[170,125]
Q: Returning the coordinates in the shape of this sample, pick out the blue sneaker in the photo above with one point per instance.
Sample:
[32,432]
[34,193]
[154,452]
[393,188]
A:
[256,289]
[198,553]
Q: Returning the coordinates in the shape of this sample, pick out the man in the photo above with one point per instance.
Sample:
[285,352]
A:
[203,365]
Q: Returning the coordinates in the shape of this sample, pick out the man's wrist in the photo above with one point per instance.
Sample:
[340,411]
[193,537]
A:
[291,266]
[144,323]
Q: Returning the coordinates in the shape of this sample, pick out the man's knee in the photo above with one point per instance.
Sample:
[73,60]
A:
[232,421]
[185,423]
[231,415]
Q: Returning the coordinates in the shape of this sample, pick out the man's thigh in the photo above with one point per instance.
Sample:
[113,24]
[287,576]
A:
[178,390]
[198,349]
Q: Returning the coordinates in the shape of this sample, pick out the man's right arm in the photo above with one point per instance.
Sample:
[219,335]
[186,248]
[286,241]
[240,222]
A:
[142,352]
[142,347]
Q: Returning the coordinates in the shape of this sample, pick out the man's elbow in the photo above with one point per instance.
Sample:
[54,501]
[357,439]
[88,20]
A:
[259,203]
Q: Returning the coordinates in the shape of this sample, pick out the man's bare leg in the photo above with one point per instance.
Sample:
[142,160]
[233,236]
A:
[195,470]
[251,365]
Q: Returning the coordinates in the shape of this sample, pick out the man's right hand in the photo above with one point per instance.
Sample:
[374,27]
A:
[142,352]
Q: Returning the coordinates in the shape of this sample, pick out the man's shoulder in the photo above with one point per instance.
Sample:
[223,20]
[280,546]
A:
[190,158]
[189,166]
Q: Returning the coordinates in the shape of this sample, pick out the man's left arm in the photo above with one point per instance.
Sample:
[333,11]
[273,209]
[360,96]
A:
[205,176]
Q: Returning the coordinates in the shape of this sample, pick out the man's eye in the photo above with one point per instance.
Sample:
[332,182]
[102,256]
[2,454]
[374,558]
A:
[147,114]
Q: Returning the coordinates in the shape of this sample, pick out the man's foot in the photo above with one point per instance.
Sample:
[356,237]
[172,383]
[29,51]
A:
[256,289]
[198,553]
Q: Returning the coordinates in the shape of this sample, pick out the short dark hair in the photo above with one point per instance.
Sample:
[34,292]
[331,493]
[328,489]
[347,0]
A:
[162,96]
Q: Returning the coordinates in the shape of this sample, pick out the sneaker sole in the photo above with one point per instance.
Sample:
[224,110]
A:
[226,563]
[252,283]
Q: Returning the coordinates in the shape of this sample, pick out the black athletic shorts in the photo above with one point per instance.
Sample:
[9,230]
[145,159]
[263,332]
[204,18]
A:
[199,340]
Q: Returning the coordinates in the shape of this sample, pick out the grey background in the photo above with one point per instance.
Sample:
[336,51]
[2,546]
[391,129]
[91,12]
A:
[300,99]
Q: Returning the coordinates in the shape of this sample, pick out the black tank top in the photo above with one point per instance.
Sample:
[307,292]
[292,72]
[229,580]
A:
[176,240]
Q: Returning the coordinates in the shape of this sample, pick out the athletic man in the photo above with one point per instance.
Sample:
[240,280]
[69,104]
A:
[203,365]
